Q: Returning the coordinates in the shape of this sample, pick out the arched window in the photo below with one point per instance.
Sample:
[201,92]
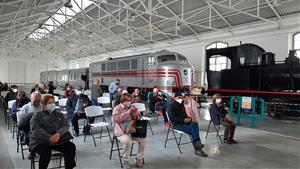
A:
[218,62]
[296,43]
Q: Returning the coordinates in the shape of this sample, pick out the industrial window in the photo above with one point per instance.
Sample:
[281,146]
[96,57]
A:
[296,43]
[76,65]
[151,61]
[103,67]
[218,62]
[124,65]
[112,66]
[217,45]
[134,64]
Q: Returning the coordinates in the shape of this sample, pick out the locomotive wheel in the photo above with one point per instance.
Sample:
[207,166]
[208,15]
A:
[276,111]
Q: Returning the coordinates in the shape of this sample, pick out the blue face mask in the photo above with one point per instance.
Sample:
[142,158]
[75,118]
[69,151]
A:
[51,107]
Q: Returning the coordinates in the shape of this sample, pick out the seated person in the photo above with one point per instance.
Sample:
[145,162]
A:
[96,91]
[68,91]
[75,109]
[182,122]
[157,102]
[36,88]
[25,114]
[220,116]
[136,96]
[123,113]
[191,108]
[117,96]
[50,131]
[12,93]
[46,90]
[21,100]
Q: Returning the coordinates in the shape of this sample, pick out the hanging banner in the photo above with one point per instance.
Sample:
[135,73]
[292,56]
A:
[246,103]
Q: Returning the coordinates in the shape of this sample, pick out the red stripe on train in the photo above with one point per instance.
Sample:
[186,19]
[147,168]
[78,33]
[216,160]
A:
[253,92]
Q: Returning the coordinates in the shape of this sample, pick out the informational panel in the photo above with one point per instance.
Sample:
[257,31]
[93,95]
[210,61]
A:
[246,103]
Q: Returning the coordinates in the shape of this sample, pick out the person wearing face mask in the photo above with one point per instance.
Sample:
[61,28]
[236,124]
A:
[136,96]
[219,115]
[191,108]
[25,114]
[180,121]
[12,94]
[50,131]
[123,113]
[21,100]
[112,89]
[75,109]
[157,103]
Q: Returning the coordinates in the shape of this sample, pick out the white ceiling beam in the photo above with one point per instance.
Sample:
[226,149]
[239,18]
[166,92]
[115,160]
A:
[243,12]
[274,10]
[221,16]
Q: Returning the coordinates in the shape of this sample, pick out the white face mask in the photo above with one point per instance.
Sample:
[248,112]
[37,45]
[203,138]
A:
[179,101]
[15,90]
[218,101]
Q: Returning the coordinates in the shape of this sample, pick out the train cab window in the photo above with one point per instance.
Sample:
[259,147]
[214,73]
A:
[151,61]
[218,63]
[217,45]
[134,64]
[166,58]
[182,59]
[124,65]
[296,43]
[103,67]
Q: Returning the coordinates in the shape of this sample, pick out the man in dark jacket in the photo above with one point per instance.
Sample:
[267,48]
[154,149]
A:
[96,92]
[75,109]
[219,116]
[12,94]
[180,121]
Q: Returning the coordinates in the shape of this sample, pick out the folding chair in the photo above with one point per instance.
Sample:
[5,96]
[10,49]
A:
[56,155]
[104,101]
[177,139]
[106,95]
[96,111]
[142,108]
[62,104]
[217,129]
[10,122]
[20,144]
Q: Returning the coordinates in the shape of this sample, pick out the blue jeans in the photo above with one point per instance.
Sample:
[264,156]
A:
[191,129]
[94,102]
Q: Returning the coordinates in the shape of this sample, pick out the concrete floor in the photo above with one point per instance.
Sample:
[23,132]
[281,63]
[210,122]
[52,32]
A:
[257,148]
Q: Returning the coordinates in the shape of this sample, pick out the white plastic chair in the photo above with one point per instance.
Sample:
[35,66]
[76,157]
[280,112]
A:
[106,95]
[142,108]
[103,101]
[56,99]
[62,104]
[96,111]
[10,103]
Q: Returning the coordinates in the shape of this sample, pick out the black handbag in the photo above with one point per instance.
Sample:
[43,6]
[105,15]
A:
[141,129]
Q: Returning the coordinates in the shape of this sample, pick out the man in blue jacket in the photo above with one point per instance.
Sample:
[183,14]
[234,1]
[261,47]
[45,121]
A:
[75,109]
[112,89]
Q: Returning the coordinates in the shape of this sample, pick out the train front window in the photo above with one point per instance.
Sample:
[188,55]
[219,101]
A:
[182,59]
[166,58]
[218,63]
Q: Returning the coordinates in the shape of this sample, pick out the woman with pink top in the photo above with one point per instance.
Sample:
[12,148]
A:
[191,108]
[122,116]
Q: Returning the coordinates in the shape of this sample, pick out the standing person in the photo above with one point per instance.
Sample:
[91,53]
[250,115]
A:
[112,89]
[51,87]
[96,92]
[136,96]
[122,114]
[75,109]
[182,122]
[220,116]
[117,96]
[50,131]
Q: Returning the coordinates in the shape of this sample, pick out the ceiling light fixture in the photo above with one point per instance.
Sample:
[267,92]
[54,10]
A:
[68,4]
[132,16]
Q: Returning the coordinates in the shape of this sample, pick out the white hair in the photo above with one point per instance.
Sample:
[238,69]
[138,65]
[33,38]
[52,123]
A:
[36,93]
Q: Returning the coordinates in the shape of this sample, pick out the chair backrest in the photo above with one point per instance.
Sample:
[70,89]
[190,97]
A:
[92,111]
[103,100]
[106,95]
[56,99]
[140,106]
[10,103]
[62,102]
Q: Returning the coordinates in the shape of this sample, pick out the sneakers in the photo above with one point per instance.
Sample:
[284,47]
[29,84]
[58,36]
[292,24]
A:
[198,145]
[201,153]
[231,141]
[126,165]
[138,162]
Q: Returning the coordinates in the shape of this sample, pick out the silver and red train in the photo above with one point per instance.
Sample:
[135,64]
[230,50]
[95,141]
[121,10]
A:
[164,69]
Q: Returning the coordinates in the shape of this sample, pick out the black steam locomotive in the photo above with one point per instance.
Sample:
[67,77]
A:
[250,71]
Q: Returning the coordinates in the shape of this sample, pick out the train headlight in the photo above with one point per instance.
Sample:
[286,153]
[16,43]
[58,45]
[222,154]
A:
[185,72]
